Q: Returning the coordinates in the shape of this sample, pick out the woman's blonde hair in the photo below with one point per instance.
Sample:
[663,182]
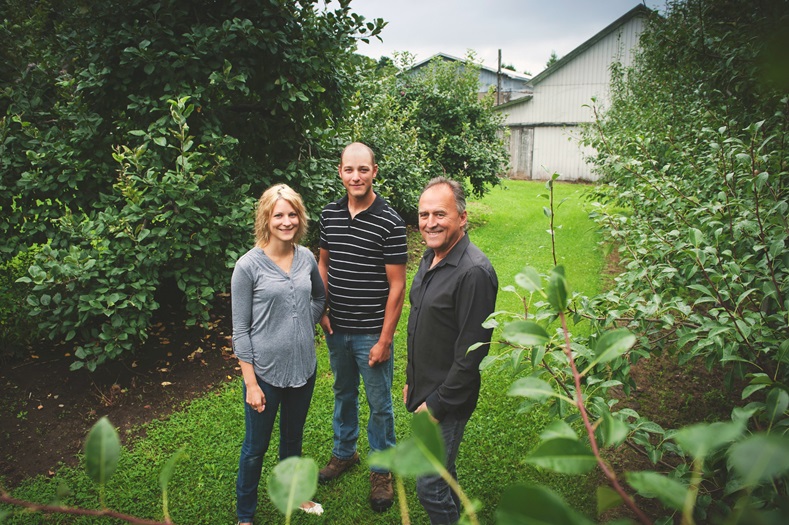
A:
[266,205]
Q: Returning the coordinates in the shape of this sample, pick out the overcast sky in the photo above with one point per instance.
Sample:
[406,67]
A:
[526,31]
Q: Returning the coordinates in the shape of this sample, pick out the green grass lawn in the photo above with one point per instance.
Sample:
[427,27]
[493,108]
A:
[510,227]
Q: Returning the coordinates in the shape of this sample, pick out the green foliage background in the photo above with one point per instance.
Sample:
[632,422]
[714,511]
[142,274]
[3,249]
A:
[695,190]
[135,138]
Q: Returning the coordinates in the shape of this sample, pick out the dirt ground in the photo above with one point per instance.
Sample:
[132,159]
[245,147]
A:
[46,410]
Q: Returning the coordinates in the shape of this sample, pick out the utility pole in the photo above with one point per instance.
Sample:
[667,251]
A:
[498,82]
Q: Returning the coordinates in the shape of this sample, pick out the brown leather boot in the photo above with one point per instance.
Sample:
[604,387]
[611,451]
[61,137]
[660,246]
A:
[336,467]
[381,491]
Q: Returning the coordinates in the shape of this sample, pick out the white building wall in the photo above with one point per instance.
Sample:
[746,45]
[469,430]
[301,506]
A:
[558,150]
[561,97]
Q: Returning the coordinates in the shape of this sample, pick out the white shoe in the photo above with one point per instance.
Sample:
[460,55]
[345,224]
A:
[312,508]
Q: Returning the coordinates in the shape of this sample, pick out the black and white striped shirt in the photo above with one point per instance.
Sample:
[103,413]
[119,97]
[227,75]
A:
[359,250]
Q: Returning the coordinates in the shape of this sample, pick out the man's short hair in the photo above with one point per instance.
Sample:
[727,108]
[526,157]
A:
[455,186]
[355,144]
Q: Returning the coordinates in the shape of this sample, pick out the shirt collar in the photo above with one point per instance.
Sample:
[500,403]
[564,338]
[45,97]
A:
[377,205]
[454,255]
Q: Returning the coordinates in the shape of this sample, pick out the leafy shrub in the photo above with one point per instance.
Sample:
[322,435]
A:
[17,329]
[127,193]
[693,156]
[101,289]
[459,131]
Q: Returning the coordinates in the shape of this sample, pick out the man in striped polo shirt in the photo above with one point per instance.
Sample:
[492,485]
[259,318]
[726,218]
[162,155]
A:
[362,261]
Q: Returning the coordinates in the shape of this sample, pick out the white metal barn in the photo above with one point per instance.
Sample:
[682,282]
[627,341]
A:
[544,127]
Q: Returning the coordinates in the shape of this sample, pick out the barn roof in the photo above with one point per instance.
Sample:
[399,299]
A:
[505,72]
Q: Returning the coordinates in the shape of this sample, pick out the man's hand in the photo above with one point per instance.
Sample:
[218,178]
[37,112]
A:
[326,325]
[379,353]
[423,408]
[405,394]
[256,398]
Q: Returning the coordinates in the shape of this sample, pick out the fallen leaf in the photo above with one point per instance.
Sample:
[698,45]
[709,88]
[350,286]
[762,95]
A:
[40,407]
[147,406]
[34,356]
[134,364]
[166,383]
[67,354]
[169,354]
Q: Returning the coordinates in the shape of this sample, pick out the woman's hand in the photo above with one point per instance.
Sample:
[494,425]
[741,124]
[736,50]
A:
[256,398]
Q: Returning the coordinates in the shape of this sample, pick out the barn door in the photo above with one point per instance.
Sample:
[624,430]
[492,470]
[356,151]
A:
[521,148]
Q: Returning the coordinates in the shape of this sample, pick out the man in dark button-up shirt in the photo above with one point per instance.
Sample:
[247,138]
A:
[452,294]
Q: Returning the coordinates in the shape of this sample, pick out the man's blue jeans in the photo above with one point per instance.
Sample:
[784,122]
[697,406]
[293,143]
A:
[435,495]
[349,354]
[294,403]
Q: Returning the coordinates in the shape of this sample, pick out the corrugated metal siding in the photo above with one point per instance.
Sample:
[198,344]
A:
[558,104]
[557,150]
[561,97]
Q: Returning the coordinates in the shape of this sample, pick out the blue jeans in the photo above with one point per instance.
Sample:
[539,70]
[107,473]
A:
[295,402]
[349,355]
[435,495]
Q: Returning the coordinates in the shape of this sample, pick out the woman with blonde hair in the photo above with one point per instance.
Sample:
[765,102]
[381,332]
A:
[277,298]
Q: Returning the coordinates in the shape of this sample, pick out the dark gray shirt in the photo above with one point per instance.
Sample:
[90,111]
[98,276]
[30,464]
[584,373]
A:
[274,315]
[449,303]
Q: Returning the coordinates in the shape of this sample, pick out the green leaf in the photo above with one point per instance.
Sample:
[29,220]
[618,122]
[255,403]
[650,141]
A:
[614,430]
[292,482]
[475,346]
[701,439]
[160,141]
[777,403]
[611,345]
[421,454]
[696,237]
[558,429]
[607,499]
[649,484]
[529,279]
[525,504]
[759,458]
[566,456]
[524,333]
[102,450]
[558,290]
[531,388]
[167,471]
[428,433]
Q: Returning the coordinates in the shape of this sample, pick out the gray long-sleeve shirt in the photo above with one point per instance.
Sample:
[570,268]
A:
[274,315]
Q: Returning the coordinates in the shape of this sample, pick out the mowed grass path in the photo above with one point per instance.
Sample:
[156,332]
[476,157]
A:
[510,227]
